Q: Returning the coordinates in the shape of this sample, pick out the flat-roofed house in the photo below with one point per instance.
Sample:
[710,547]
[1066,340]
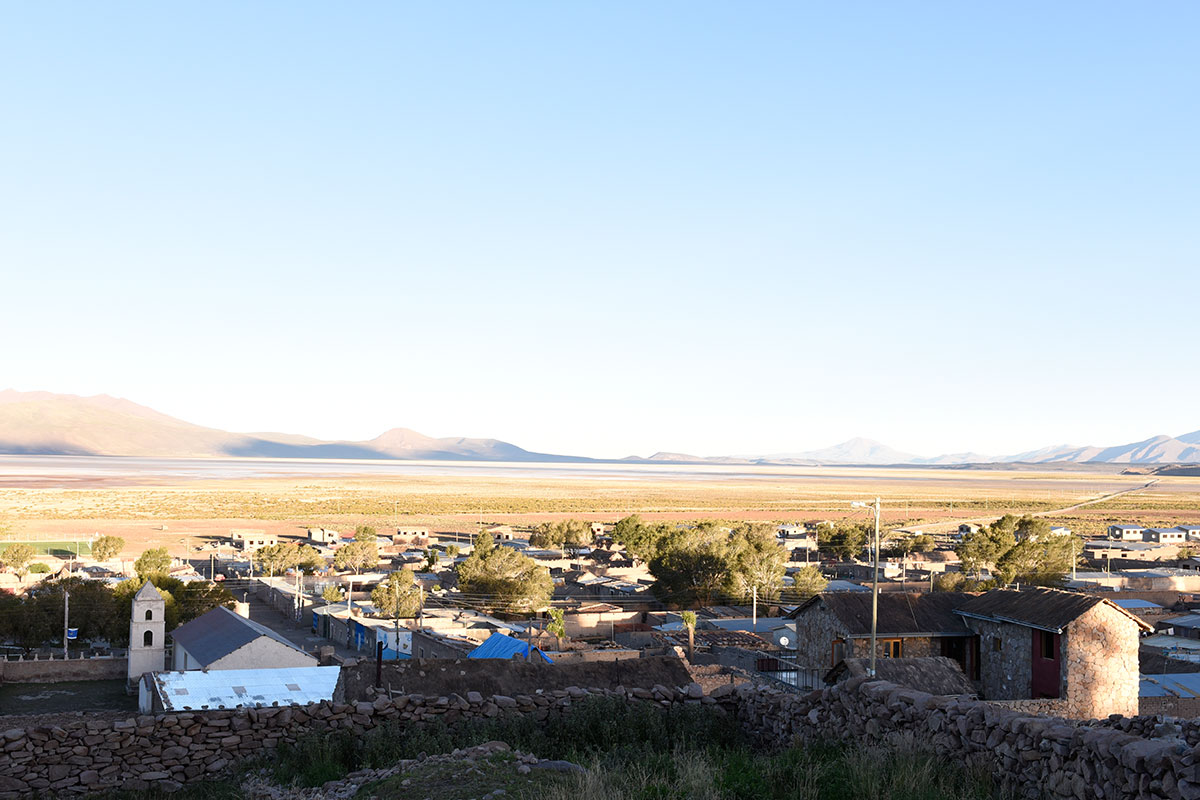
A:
[222,639]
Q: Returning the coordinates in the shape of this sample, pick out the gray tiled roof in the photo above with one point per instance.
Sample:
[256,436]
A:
[899,612]
[212,636]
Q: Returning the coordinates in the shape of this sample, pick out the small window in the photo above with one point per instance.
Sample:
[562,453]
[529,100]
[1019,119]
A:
[997,644]
[1047,645]
[148,639]
[149,615]
[292,687]
[892,648]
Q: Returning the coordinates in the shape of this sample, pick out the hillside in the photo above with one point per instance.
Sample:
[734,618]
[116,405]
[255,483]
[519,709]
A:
[60,424]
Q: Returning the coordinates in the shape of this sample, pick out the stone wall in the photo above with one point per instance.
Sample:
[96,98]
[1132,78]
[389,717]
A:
[167,750]
[816,628]
[1100,663]
[1142,757]
[1004,674]
[44,670]
[1037,757]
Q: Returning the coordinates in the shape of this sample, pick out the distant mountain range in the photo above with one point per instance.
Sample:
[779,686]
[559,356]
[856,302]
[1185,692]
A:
[62,424]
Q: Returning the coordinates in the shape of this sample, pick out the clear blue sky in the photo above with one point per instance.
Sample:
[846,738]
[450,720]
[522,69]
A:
[610,228]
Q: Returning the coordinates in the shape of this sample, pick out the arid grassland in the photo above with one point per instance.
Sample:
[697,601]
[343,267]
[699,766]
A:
[164,511]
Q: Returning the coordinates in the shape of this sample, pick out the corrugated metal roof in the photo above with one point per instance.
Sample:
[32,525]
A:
[500,645]
[1129,603]
[234,688]
[212,636]
[1182,684]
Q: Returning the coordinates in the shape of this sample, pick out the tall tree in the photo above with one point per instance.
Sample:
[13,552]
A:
[356,556]
[500,578]
[757,562]
[400,596]
[847,539]
[806,582]
[364,533]
[153,563]
[693,571]
[107,547]
[16,556]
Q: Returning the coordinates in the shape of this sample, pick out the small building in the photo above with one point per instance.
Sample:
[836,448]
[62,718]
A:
[222,640]
[831,627]
[1191,532]
[323,535]
[1125,533]
[194,690]
[1059,530]
[501,533]
[249,540]
[1053,644]
[1165,535]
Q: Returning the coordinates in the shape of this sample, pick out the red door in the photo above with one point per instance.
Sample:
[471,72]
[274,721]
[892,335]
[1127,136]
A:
[1046,663]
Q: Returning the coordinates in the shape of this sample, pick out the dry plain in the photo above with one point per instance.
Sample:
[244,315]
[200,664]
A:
[168,507]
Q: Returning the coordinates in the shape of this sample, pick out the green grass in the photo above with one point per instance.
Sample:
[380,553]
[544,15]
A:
[630,751]
[61,549]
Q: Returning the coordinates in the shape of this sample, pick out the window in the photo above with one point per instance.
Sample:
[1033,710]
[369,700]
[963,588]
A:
[997,644]
[149,615]
[148,639]
[891,648]
[839,651]
[1047,644]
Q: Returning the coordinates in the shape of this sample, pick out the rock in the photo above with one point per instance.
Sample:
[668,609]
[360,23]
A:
[695,691]
[559,766]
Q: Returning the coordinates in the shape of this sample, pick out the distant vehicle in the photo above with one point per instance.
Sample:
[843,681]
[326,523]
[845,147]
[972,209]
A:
[220,576]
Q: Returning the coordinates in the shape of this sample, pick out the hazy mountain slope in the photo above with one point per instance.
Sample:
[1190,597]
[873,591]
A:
[47,423]
[852,451]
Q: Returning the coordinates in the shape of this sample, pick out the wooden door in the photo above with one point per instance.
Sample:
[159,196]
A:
[1047,662]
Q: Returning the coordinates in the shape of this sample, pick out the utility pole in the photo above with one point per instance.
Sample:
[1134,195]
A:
[754,610]
[874,584]
[66,617]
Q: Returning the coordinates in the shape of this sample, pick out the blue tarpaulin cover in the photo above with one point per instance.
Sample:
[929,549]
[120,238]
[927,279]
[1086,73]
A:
[500,645]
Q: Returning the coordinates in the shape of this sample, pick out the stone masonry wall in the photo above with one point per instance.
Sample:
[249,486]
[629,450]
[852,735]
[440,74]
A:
[1100,663]
[1004,674]
[1037,757]
[816,629]
[168,750]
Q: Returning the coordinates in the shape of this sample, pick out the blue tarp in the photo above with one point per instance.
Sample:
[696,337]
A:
[500,645]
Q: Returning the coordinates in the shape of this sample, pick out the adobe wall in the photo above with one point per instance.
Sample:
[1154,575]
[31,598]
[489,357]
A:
[57,671]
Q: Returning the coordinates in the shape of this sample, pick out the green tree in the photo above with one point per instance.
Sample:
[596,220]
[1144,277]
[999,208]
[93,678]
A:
[107,547]
[16,556]
[276,558]
[557,626]
[364,533]
[807,582]
[847,539]
[757,562]
[309,559]
[356,556]
[1032,528]
[400,596]
[640,540]
[333,594]
[985,547]
[691,571]
[452,551]
[500,578]
[689,622]
[152,563]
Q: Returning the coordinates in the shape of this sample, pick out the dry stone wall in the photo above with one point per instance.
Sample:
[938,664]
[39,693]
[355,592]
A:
[168,750]
[1038,757]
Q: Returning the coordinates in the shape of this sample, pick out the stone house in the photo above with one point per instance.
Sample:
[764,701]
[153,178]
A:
[831,627]
[1048,643]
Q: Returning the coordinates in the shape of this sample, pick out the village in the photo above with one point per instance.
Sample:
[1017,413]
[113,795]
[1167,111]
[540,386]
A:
[1116,631]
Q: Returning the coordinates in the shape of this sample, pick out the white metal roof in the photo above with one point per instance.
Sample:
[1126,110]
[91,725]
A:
[233,688]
